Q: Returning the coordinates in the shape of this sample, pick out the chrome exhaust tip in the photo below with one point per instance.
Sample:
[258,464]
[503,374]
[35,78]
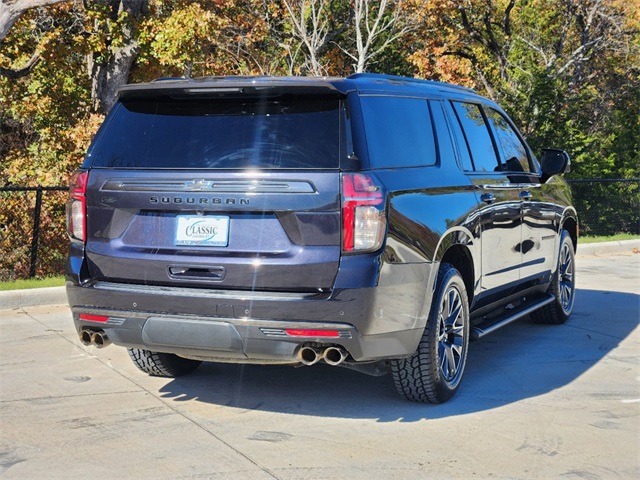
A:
[100,339]
[335,355]
[86,337]
[309,355]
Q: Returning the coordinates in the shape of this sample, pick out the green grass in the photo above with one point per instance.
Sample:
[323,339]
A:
[609,238]
[33,283]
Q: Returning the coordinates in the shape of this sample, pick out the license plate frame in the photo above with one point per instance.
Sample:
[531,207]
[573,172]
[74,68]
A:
[202,231]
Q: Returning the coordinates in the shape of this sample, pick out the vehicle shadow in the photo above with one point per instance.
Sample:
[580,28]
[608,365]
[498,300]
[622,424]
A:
[520,361]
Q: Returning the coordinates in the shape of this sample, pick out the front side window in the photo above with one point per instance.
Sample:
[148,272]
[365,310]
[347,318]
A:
[514,153]
[399,132]
[476,137]
[284,132]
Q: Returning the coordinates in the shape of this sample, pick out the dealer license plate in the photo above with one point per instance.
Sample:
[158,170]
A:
[212,231]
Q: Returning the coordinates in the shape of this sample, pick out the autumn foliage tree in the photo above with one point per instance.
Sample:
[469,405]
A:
[567,70]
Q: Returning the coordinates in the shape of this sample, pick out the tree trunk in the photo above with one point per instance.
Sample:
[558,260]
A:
[109,72]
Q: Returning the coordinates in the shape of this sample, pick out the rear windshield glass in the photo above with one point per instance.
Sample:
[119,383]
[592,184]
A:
[287,132]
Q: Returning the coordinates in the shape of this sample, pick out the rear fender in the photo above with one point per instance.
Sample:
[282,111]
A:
[456,246]
[459,247]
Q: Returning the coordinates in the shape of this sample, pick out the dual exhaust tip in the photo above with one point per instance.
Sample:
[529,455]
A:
[96,338]
[331,355]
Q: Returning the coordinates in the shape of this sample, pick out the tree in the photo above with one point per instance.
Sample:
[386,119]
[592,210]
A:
[10,12]
[377,25]
[558,67]
[114,23]
[567,71]
[311,22]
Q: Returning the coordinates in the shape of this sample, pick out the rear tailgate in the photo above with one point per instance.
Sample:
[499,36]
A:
[233,188]
[240,230]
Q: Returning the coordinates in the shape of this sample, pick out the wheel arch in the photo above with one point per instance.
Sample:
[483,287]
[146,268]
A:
[457,248]
[569,223]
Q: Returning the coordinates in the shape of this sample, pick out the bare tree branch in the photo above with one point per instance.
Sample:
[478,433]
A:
[311,27]
[21,72]
[10,12]
[371,22]
[507,18]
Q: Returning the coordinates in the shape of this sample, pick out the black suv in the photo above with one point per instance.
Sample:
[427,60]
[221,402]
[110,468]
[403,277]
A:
[373,222]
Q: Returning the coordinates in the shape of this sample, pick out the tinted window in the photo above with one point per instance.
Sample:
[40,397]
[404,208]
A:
[445,142]
[477,136]
[399,132]
[460,139]
[294,132]
[514,153]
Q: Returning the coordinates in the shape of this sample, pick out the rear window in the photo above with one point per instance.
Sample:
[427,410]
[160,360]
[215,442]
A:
[287,132]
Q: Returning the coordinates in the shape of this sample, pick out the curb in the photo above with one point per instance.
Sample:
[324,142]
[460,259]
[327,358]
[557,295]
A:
[607,248]
[12,299]
[33,297]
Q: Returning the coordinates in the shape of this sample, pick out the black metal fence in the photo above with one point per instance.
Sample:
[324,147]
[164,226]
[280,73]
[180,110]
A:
[605,207]
[12,226]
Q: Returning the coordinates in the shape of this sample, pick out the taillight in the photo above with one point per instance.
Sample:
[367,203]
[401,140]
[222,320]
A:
[77,206]
[363,218]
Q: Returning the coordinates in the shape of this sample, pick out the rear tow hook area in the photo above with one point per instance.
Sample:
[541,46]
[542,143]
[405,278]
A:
[97,338]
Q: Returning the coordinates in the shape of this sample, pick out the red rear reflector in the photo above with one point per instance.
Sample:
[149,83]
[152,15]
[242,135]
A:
[313,333]
[93,318]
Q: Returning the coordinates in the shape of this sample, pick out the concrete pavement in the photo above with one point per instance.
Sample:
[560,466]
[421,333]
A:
[537,401]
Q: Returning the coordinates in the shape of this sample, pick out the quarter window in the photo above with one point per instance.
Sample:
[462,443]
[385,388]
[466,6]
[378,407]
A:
[445,144]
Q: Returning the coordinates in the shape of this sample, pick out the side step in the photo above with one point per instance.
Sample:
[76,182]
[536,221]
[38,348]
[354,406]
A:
[509,316]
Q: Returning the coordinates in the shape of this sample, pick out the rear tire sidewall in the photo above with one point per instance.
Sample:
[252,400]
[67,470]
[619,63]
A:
[159,364]
[446,388]
[420,377]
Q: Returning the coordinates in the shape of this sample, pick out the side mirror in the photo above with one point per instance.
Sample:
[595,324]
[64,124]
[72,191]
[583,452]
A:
[553,162]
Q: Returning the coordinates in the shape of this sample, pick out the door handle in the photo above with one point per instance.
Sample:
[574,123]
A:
[488,198]
[525,195]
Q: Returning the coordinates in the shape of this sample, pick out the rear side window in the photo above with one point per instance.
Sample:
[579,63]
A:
[284,132]
[399,132]
[477,137]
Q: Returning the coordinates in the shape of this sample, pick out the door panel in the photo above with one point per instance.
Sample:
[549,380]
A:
[500,223]
[539,233]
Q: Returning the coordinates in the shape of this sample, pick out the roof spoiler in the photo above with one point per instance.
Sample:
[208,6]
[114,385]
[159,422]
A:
[216,87]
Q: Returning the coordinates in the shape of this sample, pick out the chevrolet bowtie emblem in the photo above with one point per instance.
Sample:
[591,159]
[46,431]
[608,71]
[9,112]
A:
[198,185]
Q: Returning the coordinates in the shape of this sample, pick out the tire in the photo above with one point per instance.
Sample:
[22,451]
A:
[434,372]
[563,286]
[162,364]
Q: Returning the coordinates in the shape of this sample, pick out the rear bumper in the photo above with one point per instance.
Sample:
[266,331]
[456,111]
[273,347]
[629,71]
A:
[244,327]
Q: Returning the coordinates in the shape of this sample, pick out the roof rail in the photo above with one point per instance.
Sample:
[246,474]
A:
[168,79]
[396,78]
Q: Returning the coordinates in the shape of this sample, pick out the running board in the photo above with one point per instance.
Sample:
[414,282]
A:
[510,316]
